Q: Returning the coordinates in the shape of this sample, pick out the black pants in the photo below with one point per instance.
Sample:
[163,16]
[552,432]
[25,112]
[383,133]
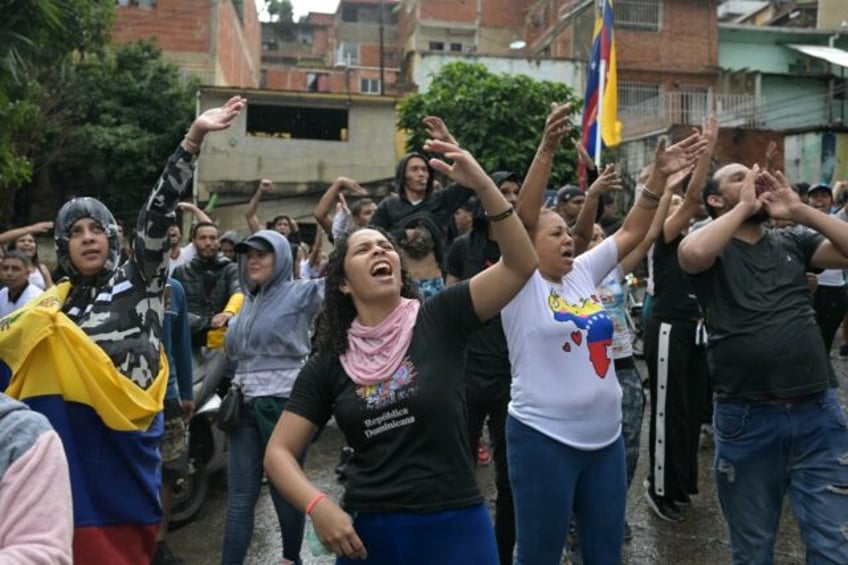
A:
[488,395]
[830,304]
[678,369]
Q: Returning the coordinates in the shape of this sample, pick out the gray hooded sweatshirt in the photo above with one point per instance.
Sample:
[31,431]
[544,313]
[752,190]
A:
[271,332]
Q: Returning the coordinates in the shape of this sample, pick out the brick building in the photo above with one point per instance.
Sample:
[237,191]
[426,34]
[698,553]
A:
[354,51]
[215,40]
[667,55]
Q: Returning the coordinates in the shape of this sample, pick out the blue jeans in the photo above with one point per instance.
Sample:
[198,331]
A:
[550,478]
[244,480]
[632,409]
[765,450]
[450,537]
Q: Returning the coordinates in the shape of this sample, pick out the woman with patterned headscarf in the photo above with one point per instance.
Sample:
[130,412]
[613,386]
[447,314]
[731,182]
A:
[89,356]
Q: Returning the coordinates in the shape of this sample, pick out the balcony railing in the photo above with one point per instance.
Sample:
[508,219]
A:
[654,114]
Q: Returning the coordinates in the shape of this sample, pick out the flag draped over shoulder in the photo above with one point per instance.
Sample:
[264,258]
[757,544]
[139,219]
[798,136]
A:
[600,109]
[110,428]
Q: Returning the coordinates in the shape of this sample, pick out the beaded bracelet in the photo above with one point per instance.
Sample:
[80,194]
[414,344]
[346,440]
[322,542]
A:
[649,194]
[503,215]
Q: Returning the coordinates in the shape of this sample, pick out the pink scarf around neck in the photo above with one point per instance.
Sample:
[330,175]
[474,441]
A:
[374,353]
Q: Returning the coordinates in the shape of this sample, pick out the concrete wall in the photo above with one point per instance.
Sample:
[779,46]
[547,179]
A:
[817,157]
[233,162]
[568,72]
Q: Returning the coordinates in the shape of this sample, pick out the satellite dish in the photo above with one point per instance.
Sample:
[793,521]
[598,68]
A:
[517,44]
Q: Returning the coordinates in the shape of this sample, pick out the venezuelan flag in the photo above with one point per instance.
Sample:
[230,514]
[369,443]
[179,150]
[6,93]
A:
[600,109]
[110,428]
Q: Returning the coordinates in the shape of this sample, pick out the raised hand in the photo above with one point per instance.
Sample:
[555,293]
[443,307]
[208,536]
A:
[778,198]
[748,192]
[608,180]
[669,160]
[557,125]
[771,156]
[437,129]
[41,227]
[465,169]
[351,185]
[341,205]
[216,119]
[674,181]
[582,155]
[266,186]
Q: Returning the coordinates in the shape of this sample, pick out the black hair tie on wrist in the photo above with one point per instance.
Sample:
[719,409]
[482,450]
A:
[503,215]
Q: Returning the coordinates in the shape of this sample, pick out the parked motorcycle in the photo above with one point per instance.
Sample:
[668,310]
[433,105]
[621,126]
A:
[206,443]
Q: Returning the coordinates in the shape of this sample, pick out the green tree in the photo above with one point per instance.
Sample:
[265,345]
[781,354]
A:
[280,11]
[39,39]
[499,118]
[129,109]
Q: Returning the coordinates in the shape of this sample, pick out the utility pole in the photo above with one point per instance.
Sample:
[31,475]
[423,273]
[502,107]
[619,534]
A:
[382,48]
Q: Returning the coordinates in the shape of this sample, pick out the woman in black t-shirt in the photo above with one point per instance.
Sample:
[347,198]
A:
[390,370]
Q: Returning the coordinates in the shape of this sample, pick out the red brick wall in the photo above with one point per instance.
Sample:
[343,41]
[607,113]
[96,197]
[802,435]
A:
[283,78]
[185,26]
[687,42]
[178,25]
[504,13]
[738,145]
[238,45]
[449,11]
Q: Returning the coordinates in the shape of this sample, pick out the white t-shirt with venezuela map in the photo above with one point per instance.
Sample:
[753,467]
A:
[559,338]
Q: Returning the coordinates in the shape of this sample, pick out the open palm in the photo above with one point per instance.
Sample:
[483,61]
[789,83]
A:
[216,119]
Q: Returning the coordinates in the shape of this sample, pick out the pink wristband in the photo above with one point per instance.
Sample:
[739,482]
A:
[311,506]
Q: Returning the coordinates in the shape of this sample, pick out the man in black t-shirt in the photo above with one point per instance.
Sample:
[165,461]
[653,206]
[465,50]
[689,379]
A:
[487,370]
[778,424]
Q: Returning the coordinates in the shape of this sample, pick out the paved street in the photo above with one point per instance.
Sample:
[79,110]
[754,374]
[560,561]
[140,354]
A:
[701,539]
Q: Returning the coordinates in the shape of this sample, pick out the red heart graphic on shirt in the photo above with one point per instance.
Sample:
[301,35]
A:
[566,347]
[577,337]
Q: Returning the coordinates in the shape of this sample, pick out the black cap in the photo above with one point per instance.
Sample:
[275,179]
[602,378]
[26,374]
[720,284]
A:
[253,242]
[568,192]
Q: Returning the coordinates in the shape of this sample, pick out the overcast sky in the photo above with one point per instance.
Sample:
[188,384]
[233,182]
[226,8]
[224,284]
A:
[303,7]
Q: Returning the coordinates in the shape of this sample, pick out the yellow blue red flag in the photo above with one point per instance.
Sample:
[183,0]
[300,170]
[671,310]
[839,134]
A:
[110,428]
[600,106]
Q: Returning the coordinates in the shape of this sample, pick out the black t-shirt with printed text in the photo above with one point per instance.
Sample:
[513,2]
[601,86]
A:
[408,433]
[764,342]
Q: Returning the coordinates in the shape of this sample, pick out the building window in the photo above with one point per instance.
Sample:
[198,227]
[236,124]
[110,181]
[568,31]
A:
[347,53]
[638,15]
[369,85]
[263,78]
[456,47]
[141,3]
[317,82]
[297,122]
[350,13]
[437,46]
[639,99]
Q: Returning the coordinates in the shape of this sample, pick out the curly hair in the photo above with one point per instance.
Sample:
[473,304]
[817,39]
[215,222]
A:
[339,311]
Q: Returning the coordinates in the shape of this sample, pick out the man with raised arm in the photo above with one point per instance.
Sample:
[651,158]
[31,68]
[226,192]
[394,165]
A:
[779,426]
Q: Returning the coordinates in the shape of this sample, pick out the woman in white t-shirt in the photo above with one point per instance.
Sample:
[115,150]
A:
[563,430]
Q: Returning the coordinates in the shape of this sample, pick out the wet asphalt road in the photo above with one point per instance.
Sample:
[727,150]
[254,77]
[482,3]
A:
[701,539]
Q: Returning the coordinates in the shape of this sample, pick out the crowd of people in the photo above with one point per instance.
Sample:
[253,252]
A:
[458,303]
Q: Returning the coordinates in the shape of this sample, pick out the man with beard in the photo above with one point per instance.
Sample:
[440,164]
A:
[416,194]
[418,244]
[778,424]
[211,285]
